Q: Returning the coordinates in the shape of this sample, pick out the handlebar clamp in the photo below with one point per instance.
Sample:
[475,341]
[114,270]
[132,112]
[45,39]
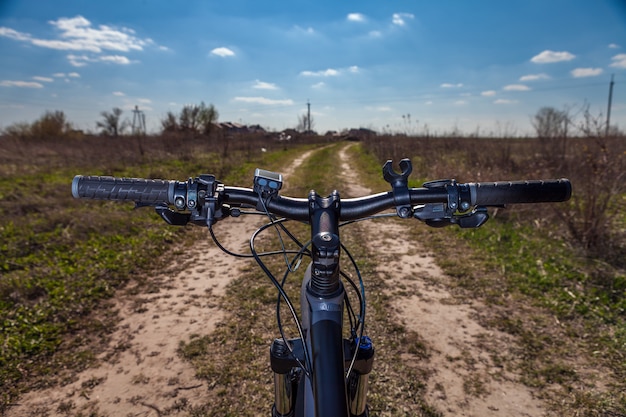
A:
[400,186]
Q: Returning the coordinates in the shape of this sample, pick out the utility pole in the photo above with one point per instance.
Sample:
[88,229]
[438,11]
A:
[139,122]
[308,116]
[608,111]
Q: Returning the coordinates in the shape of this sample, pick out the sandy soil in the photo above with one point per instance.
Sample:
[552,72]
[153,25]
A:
[464,380]
[141,374]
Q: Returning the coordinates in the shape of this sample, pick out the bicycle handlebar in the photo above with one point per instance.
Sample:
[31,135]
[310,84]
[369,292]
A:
[456,196]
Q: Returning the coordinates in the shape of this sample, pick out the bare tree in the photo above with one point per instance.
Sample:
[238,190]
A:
[51,124]
[551,126]
[193,119]
[169,123]
[305,124]
[208,117]
[112,124]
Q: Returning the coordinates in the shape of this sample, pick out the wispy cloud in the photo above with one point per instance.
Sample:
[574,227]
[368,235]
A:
[516,87]
[20,84]
[356,17]
[319,85]
[261,85]
[80,35]
[82,60]
[488,93]
[586,72]
[118,94]
[43,79]
[222,52]
[614,46]
[619,61]
[451,85]
[400,19]
[330,72]
[264,101]
[534,77]
[504,101]
[549,57]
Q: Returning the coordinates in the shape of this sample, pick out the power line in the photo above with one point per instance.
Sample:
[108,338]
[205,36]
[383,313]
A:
[139,122]
[608,111]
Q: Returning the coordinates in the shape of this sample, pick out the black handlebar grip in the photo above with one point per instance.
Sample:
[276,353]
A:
[129,189]
[499,193]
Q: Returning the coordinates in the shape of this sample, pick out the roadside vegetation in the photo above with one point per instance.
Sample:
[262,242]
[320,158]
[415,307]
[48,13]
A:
[552,276]
[61,260]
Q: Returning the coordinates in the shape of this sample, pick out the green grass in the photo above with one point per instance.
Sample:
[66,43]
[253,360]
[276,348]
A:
[61,259]
[566,311]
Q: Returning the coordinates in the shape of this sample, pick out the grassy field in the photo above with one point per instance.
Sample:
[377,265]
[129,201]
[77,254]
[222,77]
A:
[564,300]
[547,279]
[61,259]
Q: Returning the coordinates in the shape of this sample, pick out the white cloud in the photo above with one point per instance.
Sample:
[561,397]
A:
[118,94]
[375,34]
[82,60]
[516,87]
[43,79]
[548,57]
[450,85]
[321,84]
[73,75]
[116,59]
[261,85]
[144,100]
[399,19]
[586,72]
[534,77]
[21,84]
[14,34]
[460,103]
[379,108]
[330,72]
[619,61]
[59,74]
[614,46]
[356,17]
[504,101]
[78,34]
[223,52]
[299,29]
[353,69]
[488,93]
[264,101]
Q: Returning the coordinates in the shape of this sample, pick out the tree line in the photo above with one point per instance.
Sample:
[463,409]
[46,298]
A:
[196,119]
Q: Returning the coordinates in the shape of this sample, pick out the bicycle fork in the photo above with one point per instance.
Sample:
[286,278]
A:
[326,389]
[288,375]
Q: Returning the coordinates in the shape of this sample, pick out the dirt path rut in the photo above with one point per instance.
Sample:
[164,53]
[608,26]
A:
[140,372]
[464,379]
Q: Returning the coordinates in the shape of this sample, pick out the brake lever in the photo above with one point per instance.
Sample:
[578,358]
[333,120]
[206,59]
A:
[437,215]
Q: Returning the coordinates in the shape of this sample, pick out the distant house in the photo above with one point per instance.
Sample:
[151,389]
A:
[359,134]
[231,128]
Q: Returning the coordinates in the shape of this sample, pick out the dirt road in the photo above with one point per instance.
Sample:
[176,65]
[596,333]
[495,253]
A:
[464,379]
[141,374]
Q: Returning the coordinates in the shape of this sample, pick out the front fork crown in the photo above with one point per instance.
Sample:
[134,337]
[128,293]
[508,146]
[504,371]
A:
[288,375]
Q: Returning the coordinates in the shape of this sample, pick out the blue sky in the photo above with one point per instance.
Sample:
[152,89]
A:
[412,66]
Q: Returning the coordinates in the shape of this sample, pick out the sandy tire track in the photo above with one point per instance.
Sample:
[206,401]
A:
[464,380]
[139,372]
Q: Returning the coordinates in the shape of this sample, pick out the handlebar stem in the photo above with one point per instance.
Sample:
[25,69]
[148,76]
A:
[324,217]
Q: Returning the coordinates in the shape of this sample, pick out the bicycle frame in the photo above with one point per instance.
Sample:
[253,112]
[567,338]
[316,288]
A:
[325,391]
[310,378]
